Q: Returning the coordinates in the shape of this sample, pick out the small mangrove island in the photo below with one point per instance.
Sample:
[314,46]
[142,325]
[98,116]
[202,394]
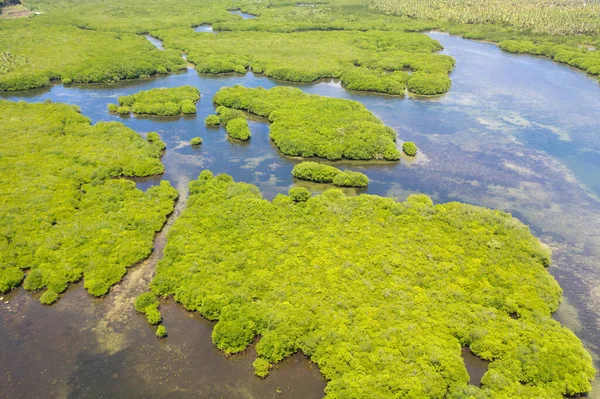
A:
[64,216]
[383,319]
[311,125]
[320,173]
[162,102]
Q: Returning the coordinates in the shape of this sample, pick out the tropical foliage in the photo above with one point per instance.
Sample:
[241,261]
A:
[62,216]
[311,125]
[308,56]
[44,53]
[163,102]
[380,294]
[320,173]
[147,303]
[212,120]
[237,128]
[409,148]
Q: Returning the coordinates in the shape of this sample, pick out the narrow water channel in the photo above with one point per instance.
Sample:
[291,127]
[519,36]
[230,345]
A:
[507,136]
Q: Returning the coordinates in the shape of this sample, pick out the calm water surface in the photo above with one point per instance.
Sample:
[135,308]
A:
[516,133]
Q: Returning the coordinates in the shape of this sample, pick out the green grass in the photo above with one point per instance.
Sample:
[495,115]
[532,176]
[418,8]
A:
[63,216]
[311,125]
[381,294]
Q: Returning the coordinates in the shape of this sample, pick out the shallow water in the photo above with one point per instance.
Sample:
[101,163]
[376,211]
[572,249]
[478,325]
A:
[204,28]
[244,15]
[516,133]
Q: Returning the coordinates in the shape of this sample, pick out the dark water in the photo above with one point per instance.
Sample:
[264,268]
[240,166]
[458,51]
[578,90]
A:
[475,365]
[516,133]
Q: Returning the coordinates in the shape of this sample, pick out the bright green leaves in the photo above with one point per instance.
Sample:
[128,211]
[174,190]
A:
[409,148]
[382,295]
[162,102]
[310,125]
[62,216]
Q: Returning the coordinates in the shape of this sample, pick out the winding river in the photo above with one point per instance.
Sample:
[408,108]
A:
[516,133]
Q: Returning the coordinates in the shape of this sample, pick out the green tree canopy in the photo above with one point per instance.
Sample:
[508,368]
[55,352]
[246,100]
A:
[381,294]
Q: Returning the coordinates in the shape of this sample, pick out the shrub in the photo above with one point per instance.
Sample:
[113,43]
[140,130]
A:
[10,278]
[351,179]
[187,107]
[48,297]
[162,102]
[429,83]
[409,148]
[144,300]
[212,120]
[237,128]
[261,367]
[228,114]
[34,280]
[196,141]
[153,314]
[313,171]
[310,125]
[299,194]
[123,110]
[161,331]
[93,232]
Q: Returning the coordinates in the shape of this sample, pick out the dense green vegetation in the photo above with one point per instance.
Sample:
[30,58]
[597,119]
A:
[307,56]
[161,331]
[310,125]
[314,171]
[383,319]
[147,303]
[320,173]
[163,102]
[212,120]
[196,141]
[349,178]
[553,17]
[48,53]
[409,148]
[237,128]
[62,216]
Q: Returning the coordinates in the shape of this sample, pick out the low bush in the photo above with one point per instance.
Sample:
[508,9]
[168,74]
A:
[299,194]
[212,120]
[429,83]
[144,300]
[237,128]
[162,102]
[196,141]
[314,171]
[409,148]
[351,179]
[49,297]
[227,114]
[161,331]
[311,125]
